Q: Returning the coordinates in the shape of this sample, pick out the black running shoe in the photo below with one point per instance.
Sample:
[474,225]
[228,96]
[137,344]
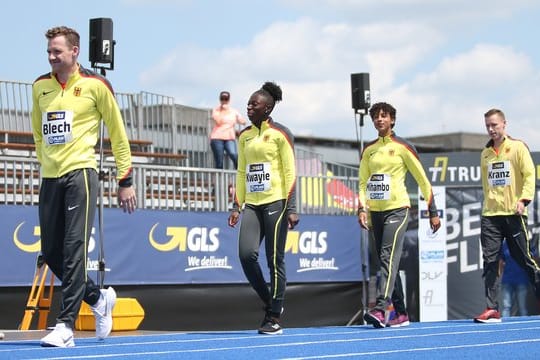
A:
[266,319]
[271,327]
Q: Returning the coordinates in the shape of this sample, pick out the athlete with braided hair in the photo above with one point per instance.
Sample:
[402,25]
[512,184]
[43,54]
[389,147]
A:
[265,193]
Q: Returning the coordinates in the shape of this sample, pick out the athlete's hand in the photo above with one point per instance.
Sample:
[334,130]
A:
[362,220]
[234,216]
[520,207]
[293,220]
[126,199]
[434,223]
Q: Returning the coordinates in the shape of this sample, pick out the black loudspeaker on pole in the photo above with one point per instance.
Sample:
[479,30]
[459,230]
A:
[101,53]
[361,99]
[101,49]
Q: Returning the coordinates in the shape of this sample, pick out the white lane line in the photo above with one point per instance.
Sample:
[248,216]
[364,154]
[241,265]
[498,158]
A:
[280,345]
[387,352]
[354,330]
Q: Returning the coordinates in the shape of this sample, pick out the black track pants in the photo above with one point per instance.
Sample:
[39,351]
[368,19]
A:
[67,207]
[269,223]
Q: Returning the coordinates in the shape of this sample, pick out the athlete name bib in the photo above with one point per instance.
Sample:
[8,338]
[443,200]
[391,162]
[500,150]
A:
[498,173]
[378,187]
[56,127]
[258,177]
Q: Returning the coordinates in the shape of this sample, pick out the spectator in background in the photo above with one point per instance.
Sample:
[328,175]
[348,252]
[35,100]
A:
[223,135]
[514,283]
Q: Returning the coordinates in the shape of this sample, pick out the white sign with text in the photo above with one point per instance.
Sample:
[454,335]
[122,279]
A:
[432,260]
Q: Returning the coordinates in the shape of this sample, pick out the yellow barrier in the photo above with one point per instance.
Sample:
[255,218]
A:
[127,315]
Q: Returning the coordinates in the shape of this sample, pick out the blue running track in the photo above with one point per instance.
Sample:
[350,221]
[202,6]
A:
[514,338]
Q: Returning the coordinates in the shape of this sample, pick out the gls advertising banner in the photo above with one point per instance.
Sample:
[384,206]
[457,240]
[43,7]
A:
[166,247]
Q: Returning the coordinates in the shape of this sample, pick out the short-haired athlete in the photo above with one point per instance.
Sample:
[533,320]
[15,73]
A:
[508,184]
[68,104]
[384,208]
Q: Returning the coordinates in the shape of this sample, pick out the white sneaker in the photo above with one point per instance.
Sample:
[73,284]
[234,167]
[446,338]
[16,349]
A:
[103,312]
[61,336]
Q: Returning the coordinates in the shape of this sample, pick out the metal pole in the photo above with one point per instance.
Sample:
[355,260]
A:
[364,248]
[101,262]
[101,175]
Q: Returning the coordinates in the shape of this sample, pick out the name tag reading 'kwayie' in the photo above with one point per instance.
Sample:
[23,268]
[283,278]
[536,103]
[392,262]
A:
[258,177]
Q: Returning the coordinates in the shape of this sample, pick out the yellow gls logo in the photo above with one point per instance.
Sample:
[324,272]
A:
[35,247]
[199,239]
[306,242]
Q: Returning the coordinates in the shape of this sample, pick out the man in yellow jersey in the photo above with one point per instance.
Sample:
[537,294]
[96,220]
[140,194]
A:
[383,196]
[508,184]
[68,105]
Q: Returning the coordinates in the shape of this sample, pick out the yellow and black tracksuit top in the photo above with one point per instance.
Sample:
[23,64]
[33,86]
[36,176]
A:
[508,175]
[266,166]
[65,124]
[383,167]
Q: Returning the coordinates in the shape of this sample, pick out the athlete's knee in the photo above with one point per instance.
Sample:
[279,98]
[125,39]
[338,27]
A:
[248,256]
[491,267]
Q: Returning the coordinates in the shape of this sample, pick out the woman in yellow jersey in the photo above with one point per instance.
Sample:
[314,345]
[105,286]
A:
[508,184]
[265,193]
[383,196]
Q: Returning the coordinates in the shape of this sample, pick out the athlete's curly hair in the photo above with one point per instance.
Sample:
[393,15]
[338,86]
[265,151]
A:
[272,93]
[273,90]
[72,36]
[384,108]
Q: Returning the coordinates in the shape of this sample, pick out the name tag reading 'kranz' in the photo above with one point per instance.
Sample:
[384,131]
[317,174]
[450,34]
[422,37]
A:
[258,177]
[499,174]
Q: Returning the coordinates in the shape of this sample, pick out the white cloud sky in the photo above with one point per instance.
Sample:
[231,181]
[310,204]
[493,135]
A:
[441,63]
[312,60]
